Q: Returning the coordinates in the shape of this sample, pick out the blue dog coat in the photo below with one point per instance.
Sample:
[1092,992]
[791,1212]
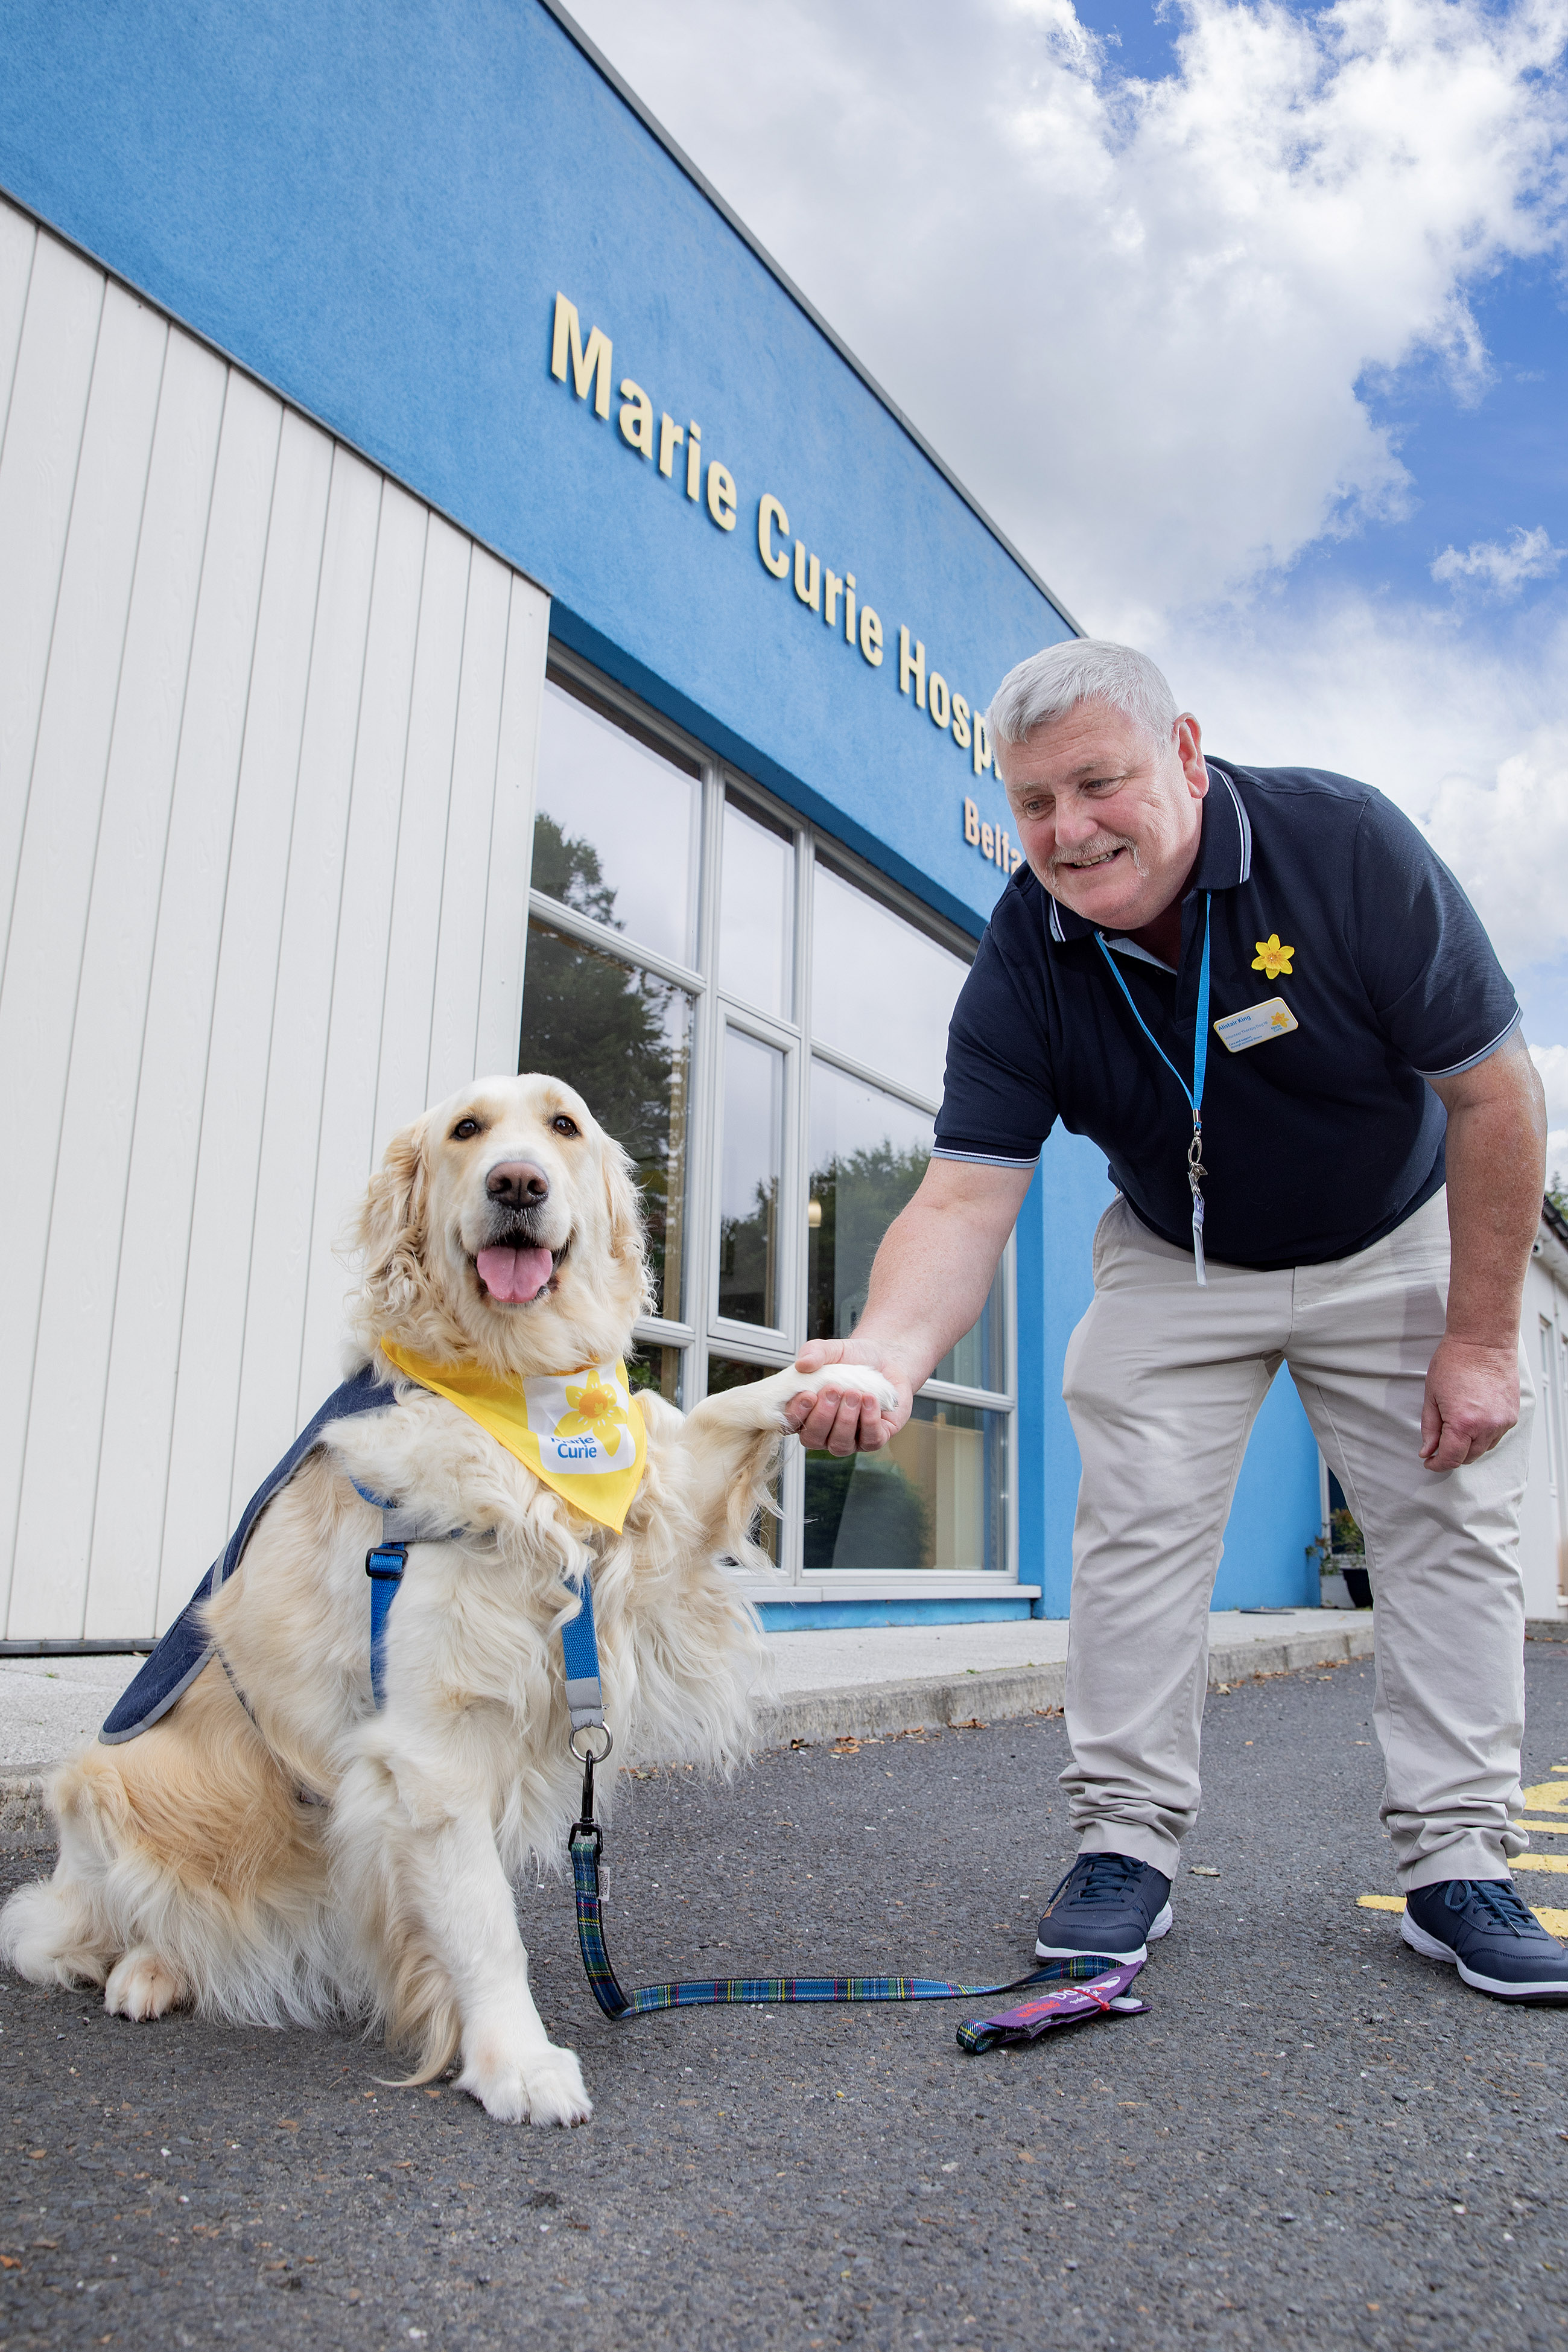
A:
[186,1647]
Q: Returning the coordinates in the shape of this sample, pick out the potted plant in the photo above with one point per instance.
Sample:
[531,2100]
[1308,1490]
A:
[1342,1564]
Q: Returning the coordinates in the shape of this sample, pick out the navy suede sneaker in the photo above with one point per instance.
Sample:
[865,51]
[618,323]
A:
[1495,1941]
[1107,1902]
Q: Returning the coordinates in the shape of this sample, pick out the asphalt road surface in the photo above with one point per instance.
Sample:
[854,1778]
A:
[1314,2137]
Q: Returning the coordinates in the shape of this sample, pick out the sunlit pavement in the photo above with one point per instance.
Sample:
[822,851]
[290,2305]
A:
[1314,2137]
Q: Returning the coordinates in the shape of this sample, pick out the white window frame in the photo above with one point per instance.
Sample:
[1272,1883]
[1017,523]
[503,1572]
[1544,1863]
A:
[1553,1409]
[699,1330]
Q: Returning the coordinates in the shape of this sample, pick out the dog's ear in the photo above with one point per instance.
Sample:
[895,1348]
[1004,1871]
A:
[625,1207]
[392,1227]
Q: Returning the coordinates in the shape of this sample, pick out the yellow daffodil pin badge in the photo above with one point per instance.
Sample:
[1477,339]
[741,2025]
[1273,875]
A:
[594,1413]
[1271,958]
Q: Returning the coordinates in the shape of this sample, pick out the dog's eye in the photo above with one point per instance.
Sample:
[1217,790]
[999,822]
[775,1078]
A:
[564,1125]
[463,1130]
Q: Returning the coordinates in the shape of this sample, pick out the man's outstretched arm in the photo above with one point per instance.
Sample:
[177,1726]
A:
[927,1288]
[1497,1169]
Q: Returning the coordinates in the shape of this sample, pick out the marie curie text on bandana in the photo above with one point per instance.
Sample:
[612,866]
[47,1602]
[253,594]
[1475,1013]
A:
[583,1421]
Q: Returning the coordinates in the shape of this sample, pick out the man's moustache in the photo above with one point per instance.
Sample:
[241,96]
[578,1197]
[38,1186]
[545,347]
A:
[1102,849]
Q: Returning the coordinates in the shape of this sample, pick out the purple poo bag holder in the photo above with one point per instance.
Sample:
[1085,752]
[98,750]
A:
[1104,1995]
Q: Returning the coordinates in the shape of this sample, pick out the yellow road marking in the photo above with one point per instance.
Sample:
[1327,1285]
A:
[1539,1862]
[1555,1922]
[1551,1796]
[1546,1829]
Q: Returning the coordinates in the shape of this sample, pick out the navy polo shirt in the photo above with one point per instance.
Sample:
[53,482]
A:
[1318,1140]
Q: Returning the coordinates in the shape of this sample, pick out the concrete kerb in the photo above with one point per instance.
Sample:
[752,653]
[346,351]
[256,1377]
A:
[991,1695]
[917,1703]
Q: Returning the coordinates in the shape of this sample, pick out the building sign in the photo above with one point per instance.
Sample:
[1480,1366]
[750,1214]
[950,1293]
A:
[832,599]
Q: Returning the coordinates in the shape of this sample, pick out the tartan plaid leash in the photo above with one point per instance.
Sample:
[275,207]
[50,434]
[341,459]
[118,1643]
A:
[1087,1984]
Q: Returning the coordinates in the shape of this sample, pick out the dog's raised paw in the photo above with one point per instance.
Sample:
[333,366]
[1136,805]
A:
[141,1985]
[846,1379]
[545,2087]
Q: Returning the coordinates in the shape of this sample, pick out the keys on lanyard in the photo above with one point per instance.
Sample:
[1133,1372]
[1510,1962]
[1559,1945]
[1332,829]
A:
[1196,1170]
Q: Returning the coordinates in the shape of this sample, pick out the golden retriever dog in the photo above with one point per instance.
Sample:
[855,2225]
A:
[294,1854]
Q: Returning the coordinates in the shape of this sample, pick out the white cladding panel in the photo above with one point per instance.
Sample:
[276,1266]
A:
[267,737]
[1544,1521]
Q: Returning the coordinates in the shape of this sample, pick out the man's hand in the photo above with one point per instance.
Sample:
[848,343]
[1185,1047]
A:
[1471,1402]
[844,1421]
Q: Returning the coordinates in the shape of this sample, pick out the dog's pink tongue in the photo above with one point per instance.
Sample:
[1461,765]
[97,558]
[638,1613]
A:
[515,1275]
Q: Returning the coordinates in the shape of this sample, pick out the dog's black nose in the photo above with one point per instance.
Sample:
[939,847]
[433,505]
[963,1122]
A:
[518,1183]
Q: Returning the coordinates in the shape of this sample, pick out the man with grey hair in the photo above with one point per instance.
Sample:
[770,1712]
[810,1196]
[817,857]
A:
[1272,1007]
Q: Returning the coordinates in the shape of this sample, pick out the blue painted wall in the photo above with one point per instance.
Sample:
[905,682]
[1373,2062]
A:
[1065,1201]
[372,205]
[1275,1514]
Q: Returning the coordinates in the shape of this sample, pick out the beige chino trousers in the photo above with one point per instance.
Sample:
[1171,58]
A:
[1163,1381]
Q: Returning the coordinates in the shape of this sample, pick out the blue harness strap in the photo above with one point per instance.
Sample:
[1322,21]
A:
[579,1654]
[384,1566]
[186,1647]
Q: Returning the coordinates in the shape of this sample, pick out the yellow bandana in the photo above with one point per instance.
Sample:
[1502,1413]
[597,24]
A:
[579,1432]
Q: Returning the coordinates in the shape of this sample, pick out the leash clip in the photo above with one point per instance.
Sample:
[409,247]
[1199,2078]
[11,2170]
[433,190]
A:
[585,1826]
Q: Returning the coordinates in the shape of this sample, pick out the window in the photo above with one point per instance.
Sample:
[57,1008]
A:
[619,1037]
[762,1022]
[615,828]
[1553,1409]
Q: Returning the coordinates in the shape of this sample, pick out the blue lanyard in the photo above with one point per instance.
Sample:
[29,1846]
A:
[1196,1170]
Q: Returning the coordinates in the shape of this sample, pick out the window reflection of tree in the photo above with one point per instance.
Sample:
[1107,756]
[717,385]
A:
[854,1200]
[861,1511]
[616,1034]
[745,1260]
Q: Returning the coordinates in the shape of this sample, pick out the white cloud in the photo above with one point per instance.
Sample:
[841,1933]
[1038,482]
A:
[1470,738]
[1139,319]
[1507,841]
[1529,555]
[1135,317]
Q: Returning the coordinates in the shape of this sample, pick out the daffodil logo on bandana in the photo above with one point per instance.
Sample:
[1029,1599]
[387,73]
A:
[1271,958]
[582,1423]
[581,1433]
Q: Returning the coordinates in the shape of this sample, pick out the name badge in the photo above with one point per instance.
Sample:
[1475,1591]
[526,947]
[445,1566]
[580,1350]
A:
[1257,1024]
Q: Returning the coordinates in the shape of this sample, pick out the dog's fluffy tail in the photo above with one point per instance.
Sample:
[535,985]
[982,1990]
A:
[190,1845]
[50,1935]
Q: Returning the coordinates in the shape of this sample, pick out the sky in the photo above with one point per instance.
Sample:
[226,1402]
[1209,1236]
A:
[1248,325]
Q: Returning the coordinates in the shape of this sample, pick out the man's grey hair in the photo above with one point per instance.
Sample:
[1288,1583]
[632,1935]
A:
[1085,669]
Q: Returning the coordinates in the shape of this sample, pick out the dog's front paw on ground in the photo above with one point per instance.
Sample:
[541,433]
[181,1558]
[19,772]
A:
[545,2087]
[141,1985]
